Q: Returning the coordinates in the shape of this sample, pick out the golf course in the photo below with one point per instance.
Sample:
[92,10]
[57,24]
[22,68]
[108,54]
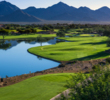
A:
[42,87]
[84,47]
[55,50]
[74,46]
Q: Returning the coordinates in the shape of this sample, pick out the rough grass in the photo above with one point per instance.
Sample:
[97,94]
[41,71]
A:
[42,87]
[80,48]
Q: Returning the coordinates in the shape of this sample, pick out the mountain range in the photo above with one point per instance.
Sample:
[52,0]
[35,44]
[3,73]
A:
[11,13]
[59,11]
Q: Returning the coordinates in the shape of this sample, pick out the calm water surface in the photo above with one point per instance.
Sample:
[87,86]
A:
[15,60]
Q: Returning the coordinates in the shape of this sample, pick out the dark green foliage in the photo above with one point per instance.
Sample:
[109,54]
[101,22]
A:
[61,65]
[5,46]
[45,28]
[27,31]
[61,33]
[108,60]
[72,26]
[107,33]
[88,30]
[96,67]
[33,30]
[20,31]
[61,98]
[41,39]
[108,42]
[94,87]
[4,32]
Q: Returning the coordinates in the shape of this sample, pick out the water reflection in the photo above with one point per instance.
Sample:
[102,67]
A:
[8,44]
[15,60]
[40,58]
[4,45]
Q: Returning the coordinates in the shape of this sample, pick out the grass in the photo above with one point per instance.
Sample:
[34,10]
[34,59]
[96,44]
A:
[88,35]
[56,30]
[74,30]
[35,35]
[12,30]
[80,48]
[42,87]
[28,36]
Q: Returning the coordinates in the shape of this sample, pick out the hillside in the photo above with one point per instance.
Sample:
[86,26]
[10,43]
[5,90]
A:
[7,8]
[20,16]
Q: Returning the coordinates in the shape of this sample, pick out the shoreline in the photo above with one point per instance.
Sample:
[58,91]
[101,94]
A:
[43,57]
[69,67]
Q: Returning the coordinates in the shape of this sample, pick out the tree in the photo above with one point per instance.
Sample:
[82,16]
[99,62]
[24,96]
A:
[33,30]
[51,31]
[61,33]
[45,28]
[4,46]
[27,31]
[40,39]
[4,32]
[107,33]
[20,31]
[72,26]
[85,30]
[96,86]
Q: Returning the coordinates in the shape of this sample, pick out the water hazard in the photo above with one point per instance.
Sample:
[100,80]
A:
[15,59]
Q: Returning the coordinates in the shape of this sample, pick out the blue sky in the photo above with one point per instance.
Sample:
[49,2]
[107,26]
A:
[93,4]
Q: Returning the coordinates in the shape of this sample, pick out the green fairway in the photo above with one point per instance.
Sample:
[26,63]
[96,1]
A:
[42,87]
[28,36]
[80,48]
[74,30]
[35,35]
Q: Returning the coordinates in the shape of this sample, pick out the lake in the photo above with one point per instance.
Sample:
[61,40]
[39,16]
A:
[15,59]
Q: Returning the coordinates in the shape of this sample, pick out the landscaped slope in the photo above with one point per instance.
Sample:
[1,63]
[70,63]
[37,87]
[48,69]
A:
[81,48]
[42,87]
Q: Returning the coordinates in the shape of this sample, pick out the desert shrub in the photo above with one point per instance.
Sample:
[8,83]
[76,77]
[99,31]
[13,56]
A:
[108,60]
[61,65]
[95,67]
[94,87]
[61,98]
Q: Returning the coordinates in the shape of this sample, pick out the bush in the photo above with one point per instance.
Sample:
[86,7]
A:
[95,67]
[108,60]
[61,65]
[108,42]
[96,87]
[61,34]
